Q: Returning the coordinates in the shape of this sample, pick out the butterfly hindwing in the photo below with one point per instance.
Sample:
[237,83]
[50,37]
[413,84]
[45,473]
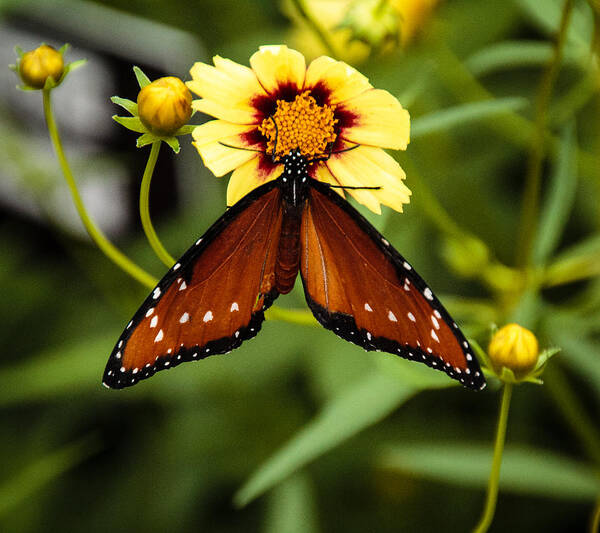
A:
[211,300]
[361,288]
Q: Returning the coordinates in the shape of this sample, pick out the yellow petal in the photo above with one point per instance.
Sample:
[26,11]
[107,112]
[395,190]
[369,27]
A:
[340,79]
[250,175]
[322,173]
[278,65]
[227,85]
[380,120]
[217,158]
[224,111]
[371,167]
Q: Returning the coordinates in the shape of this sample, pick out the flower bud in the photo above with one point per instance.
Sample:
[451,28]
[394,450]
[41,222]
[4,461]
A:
[165,105]
[515,348]
[36,66]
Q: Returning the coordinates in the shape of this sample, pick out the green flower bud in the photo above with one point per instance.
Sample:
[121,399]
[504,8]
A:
[515,348]
[165,105]
[373,22]
[36,66]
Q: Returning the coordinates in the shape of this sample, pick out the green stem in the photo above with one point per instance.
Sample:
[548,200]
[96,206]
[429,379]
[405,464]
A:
[492,492]
[113,253]
[293,316]
[595,520]
[533,180]
[315,27]
[153,239]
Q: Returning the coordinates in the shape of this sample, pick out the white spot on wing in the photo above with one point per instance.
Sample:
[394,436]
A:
[412,317]
[234,307]
[435,323]
[437,314]
[184,318]
[208,316]
[159,336]
[368,307]
[154,321]
[392,317]
[198,242]
[183,286]
[156,293]
[427,293]
[434,336]
[177,265]
[406,266]
[150,311]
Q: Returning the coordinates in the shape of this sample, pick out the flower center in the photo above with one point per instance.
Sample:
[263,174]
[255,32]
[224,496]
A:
[301,125]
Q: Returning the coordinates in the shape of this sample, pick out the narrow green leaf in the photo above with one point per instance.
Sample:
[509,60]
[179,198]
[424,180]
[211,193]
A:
[508,55]
[126,104]
[361,406]
[131,123]
[75,65]
[32,478]
[524,470]
[173,142]
[292,507]
[142,79]
[560,198]
[64,49]
[578,262]
[464,113]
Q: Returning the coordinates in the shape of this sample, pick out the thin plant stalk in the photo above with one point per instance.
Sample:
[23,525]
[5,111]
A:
[533,180]
[595,519]
[153,239]
[109,249]
[315,27]
[492,491]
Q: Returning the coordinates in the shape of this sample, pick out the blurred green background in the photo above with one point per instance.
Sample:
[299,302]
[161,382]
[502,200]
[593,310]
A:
[298,431]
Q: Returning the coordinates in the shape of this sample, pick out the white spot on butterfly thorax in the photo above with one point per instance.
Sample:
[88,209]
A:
[208,316]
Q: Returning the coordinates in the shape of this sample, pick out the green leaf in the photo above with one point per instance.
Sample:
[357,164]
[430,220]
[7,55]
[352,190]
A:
[142,79]
[75,65]
[64,49]
[186,130]
[524,470]
[461,114]
[145,139]
[131,123]
[44,470]
[560,198]
[126,104]
[173,142]
[292,507]
[361,406]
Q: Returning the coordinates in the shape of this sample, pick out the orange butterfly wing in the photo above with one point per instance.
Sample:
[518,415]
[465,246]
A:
[211,300]
[363,290]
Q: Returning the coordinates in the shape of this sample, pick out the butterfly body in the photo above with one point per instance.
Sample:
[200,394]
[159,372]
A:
[355,283]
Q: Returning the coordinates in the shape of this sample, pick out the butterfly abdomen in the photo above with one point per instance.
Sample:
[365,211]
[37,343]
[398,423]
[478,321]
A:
[288,253]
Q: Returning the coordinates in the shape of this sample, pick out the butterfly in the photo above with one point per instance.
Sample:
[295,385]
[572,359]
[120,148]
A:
[355,283]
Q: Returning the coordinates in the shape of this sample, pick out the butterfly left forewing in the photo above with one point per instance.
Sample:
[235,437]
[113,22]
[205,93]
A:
[363,290]
[211,300]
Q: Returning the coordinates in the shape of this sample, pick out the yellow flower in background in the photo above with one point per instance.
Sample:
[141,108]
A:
[513,347]
[356,27]
[323,110]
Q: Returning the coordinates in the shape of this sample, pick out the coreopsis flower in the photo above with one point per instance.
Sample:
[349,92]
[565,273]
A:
[161,112]
[164,105]
[36,66]
[513,347]
[328,111]
[43,67]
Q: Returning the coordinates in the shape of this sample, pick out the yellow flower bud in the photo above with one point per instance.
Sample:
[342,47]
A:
[515,348]
[373,22]
[165,105]
[36,66]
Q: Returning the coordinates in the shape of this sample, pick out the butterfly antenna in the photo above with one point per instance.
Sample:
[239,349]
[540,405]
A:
[274,154]
[241,148]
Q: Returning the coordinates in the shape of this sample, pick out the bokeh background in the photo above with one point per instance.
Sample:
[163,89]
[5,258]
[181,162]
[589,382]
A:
[297,431]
